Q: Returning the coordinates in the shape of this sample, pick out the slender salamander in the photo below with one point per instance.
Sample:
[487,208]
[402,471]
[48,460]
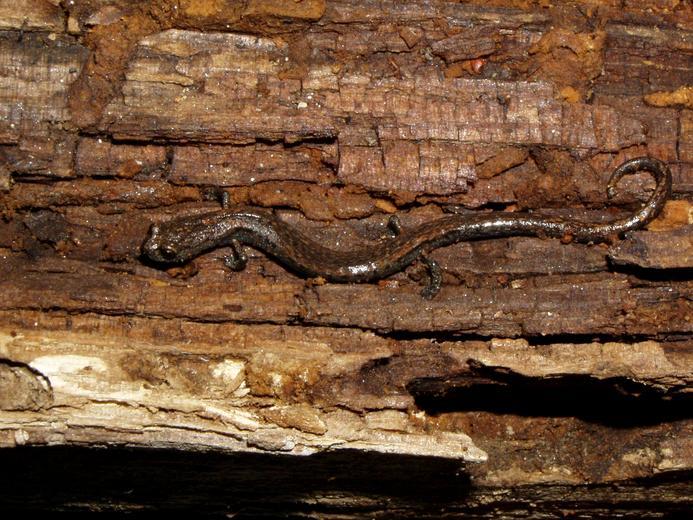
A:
[184,238]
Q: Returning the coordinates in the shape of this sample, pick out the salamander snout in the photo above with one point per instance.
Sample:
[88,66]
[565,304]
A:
[156,250]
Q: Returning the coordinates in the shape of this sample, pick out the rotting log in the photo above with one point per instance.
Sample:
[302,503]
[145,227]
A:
[546,378]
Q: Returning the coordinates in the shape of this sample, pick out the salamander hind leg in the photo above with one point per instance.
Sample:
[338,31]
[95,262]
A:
[435,277]
[237,260]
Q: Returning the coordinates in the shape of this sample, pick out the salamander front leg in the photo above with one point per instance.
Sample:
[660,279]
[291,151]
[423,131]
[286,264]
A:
[394,225]
[237,260]
[225,200]
[435,277]
[216,194]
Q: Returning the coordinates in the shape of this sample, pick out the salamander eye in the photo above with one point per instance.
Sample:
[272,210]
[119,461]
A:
[168,253]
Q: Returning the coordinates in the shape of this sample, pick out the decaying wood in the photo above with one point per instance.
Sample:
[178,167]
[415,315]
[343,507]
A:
[546,377]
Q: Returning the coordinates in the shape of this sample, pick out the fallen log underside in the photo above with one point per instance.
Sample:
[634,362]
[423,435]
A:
[547,378]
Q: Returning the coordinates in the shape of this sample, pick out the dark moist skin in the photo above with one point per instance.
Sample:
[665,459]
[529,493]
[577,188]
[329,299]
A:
[182,239]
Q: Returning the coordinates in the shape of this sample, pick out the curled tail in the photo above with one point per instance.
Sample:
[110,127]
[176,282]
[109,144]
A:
[646,213]
[659,170]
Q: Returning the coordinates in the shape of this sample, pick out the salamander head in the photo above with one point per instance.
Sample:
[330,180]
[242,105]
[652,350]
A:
[158,248]
[179,240]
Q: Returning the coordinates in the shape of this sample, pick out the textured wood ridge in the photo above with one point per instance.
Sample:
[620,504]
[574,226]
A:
[547,377]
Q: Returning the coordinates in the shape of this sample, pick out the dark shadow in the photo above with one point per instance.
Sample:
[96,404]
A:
[73,482]
[441,336]
[650,274]
[242,485]
[613,401]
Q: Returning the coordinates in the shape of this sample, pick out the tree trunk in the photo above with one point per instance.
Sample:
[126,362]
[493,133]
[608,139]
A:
[547,377]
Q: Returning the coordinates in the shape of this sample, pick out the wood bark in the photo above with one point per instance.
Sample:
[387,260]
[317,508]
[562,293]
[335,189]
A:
[546,378]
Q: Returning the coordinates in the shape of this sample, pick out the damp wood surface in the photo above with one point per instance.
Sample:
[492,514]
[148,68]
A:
[547,377]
